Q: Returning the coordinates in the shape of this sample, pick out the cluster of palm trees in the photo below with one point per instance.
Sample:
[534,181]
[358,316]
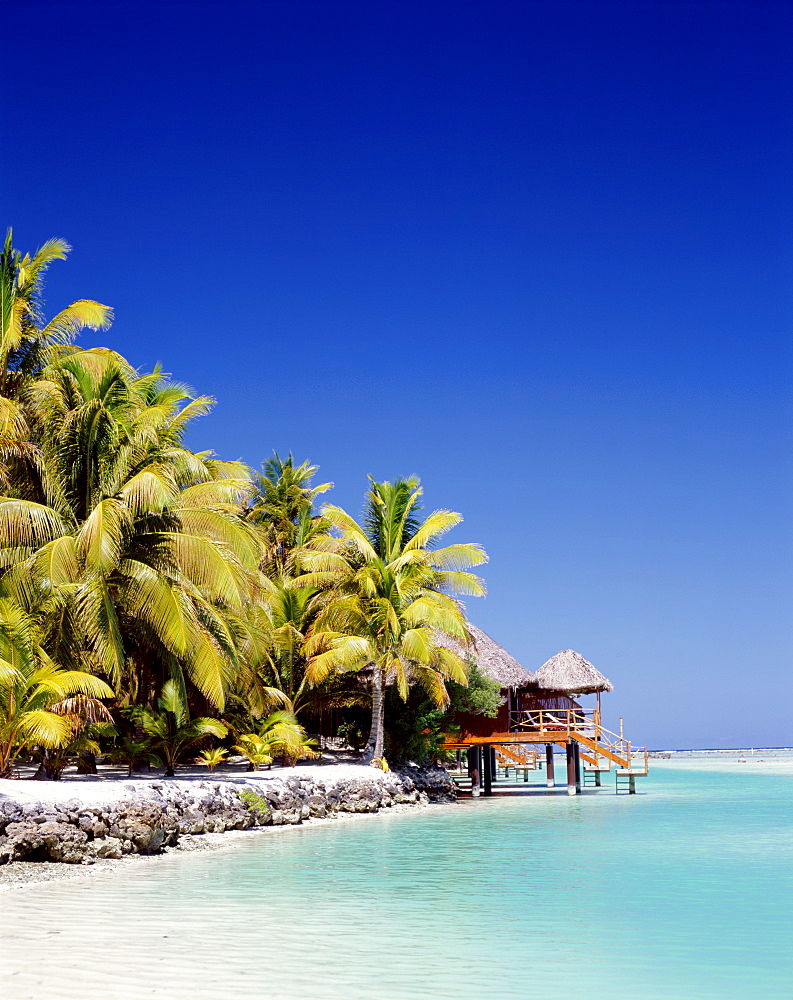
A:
[143,579]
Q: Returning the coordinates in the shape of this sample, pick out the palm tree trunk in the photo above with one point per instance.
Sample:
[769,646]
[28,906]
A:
[374,745]
[86,763]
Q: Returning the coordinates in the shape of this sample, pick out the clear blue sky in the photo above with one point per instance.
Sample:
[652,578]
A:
[536,252]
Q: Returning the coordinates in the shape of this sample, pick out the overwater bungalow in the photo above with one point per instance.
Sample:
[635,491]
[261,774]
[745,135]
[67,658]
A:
[542,708]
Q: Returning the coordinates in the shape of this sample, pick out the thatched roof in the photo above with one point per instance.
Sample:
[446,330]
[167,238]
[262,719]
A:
[493,660]
[569,671]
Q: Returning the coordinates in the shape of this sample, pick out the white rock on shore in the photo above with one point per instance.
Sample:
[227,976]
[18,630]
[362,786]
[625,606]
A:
[82,821]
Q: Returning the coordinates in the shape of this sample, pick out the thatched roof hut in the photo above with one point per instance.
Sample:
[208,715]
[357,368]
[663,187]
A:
[493,660]
[568,671]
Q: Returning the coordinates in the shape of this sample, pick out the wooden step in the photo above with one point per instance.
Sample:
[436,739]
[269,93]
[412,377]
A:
[598,748]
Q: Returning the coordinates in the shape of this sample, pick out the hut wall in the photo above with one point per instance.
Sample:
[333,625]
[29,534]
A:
[480,725]
[526,700]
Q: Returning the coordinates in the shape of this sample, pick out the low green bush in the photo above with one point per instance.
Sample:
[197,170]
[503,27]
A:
[254,802]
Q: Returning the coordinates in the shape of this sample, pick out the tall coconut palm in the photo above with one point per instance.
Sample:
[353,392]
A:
[292,609]
[28,340]
[25,331]
[283,510]
[393,593]
[143,540]
[284,515]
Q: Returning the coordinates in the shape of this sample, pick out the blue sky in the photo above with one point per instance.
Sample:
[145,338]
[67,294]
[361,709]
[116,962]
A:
[536,252]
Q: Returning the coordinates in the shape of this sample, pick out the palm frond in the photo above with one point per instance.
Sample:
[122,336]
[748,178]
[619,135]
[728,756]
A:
[209,669]
[457,557]
[96,616]
[80,315]
[82,707]
[57,562]
[24,523]
[150,490]
[435,526]
[39,727]
[466,584]
[101,536]
[150,596]
[208,565]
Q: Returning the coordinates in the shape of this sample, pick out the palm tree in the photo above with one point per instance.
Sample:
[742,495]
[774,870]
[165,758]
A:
[283,509]
[42,704]
[25,332]
[292,609]
[393,594]
[131,752]
[170,731]
[285,518]
[255,749]
[143,540]
[212,757]
[28,341]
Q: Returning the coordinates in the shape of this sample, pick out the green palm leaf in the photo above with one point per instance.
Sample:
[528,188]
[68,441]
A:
[83,314]
[150,596]
[101,537]
[24,523]
[44,728]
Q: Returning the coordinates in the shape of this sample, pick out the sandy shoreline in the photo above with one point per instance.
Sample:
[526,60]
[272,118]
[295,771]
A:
[27,874]
[78,793]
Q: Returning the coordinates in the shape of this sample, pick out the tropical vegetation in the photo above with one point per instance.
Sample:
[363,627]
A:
[158,603]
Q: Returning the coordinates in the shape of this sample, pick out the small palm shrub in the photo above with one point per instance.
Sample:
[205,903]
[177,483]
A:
[171,732]
[255,748]
[212,757]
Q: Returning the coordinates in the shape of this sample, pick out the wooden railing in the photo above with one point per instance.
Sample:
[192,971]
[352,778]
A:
[575,723]
[565,721]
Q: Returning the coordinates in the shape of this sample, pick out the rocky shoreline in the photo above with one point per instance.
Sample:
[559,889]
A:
[80,823]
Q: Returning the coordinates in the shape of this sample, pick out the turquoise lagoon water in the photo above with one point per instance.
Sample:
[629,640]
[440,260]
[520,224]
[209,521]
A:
[682,892]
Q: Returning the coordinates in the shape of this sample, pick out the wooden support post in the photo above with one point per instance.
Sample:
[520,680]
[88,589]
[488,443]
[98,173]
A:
[549,774]
[577,750]
[487,769]
[570,748]
[632,785]
[459,760]
[493,764]
[474,769]
[597,778]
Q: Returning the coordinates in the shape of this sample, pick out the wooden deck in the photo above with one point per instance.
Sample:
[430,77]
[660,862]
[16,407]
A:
[599,747]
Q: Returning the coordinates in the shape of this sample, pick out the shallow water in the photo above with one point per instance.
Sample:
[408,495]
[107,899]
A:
[682,892]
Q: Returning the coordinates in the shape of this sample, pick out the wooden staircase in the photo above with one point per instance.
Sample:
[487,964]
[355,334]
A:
[519,756]
[633,762]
